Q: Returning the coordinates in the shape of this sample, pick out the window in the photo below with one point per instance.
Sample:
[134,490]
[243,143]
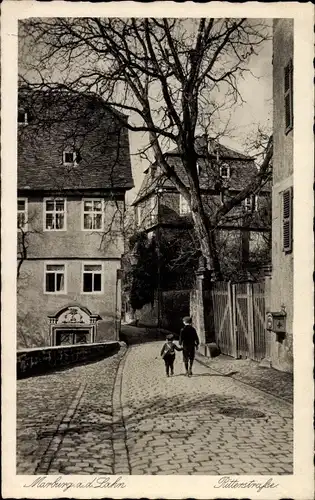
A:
[54,219]
[93,215]
[154,209]
[288,96]
[287,220]
[22,214]
[22,117]
[198,168]
[70,158]
[184,207]
[225,172]
[92,278]
[138,215]
[55,278]
[250,203]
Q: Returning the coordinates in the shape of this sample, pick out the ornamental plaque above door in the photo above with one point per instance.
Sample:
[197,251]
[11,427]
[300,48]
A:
[73,318]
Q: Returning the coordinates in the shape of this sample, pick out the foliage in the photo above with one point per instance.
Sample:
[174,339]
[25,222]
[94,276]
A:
[142,274]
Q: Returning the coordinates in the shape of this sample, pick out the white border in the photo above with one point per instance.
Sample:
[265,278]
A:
[300,485]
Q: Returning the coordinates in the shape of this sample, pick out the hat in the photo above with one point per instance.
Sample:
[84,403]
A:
[170,336]
[187,319]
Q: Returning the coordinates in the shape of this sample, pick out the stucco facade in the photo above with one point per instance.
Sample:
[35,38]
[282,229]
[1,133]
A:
[281,287]
[70,221]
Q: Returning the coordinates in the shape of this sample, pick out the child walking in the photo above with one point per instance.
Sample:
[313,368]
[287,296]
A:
[189,340]
[168,354]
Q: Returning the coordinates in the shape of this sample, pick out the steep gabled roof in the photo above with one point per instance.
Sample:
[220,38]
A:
[243,170]
[61,121]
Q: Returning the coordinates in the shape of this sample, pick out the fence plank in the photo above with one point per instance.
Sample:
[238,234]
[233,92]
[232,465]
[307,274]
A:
[250,321]
[259,320]
[231,321]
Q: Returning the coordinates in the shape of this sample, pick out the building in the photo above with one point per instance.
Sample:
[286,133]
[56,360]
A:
[243,234]
[73,172]
[281,286]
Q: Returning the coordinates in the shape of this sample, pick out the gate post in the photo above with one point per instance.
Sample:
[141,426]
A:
[266,361]
[203,312]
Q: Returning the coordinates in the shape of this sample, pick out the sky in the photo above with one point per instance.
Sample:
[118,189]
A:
[256,91]
[256,110]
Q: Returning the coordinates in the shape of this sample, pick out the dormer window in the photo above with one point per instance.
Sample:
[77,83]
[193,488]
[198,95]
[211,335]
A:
[225,172]
[22,117]
[69,158]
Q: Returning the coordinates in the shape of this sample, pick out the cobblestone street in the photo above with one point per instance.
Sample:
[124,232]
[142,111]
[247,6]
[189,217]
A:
[122,415]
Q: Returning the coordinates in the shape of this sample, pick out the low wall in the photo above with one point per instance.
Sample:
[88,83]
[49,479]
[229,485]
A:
[46,359]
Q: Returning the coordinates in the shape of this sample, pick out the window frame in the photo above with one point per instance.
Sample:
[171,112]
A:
[93,263]
[25,227]
[228,172]
[183,201]
[253,203]
[288,94]
[102,213]
[57,198]
[26,117]
[56,263]
[69,163]
[154,204]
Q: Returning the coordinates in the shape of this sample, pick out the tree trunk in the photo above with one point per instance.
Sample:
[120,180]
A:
[206,237]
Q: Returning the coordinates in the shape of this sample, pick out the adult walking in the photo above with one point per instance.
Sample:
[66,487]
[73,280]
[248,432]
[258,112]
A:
[188,338]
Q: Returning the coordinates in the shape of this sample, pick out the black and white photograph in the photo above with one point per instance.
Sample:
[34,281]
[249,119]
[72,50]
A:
[158,235]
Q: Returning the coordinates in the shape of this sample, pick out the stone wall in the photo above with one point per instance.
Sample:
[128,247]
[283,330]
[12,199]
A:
[43,360]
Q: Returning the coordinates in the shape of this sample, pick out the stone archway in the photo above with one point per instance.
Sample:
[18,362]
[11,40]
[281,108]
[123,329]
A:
[72,324]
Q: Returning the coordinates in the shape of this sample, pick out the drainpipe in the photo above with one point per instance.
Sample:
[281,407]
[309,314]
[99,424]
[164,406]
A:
[117,321]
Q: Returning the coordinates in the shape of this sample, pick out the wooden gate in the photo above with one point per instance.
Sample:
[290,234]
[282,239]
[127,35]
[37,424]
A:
[259,314]
[223,318]
[239,319]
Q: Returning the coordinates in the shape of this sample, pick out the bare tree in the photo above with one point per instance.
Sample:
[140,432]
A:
[167,74]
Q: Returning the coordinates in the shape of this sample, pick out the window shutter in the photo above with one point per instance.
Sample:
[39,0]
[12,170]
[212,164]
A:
[288,95]
[287,197]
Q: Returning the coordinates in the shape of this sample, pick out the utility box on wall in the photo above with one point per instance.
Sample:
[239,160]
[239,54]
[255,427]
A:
[276,322]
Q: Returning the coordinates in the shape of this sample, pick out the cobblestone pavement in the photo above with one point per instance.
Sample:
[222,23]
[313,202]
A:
[206,424]
[122,415]
[278,383]
[64,420]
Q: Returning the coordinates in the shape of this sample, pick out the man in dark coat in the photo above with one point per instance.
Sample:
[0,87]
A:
[189,340]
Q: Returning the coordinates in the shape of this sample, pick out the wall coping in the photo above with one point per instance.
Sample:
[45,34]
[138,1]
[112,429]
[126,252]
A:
[56,347]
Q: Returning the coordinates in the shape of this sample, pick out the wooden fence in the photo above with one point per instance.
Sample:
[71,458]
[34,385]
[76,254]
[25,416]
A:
[239,319]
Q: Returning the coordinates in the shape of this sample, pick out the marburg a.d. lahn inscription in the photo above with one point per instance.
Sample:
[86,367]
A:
[59,483]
